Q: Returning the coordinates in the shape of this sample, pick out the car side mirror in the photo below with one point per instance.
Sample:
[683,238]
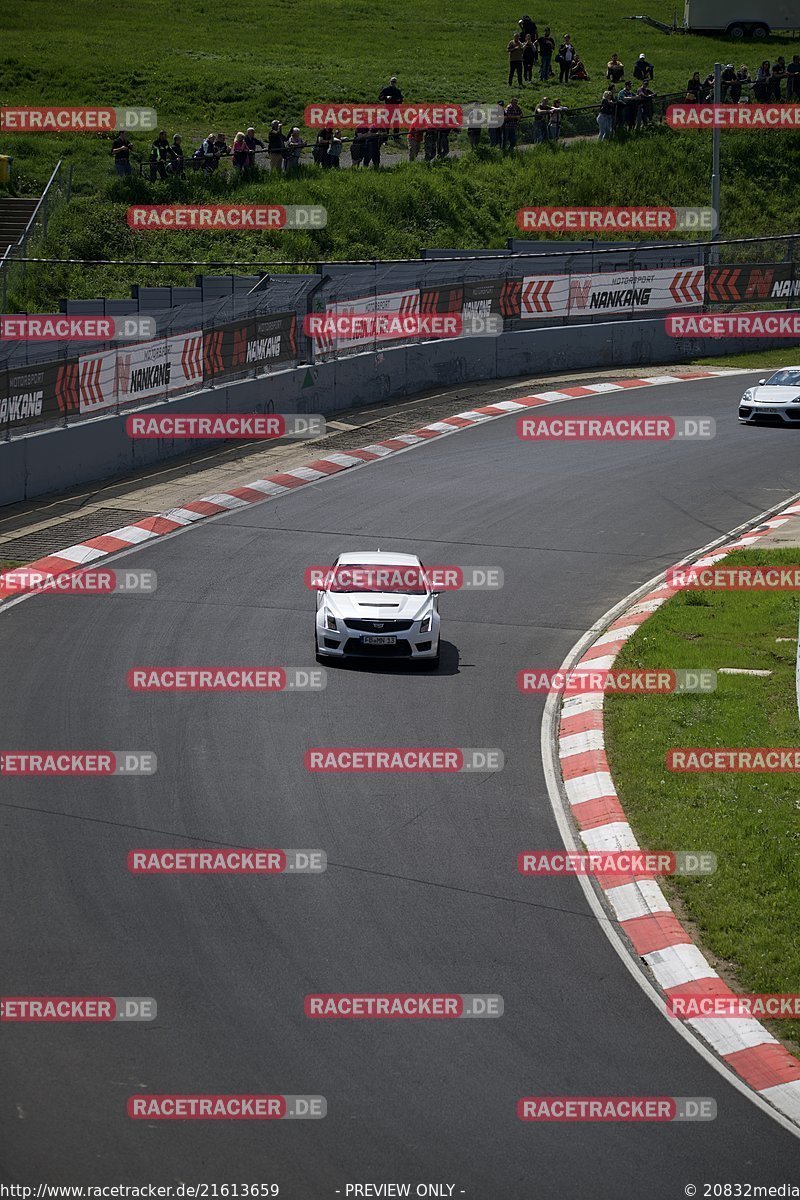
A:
[762,381]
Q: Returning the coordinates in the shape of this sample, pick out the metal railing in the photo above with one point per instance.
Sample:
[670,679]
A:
[58,186]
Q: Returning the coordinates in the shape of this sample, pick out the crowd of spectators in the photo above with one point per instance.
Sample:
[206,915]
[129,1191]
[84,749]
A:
[625,103]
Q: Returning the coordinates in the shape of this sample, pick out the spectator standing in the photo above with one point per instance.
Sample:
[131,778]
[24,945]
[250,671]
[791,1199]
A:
[358,144]
[527,27]
[442,143]
[762,80]
[528,58]
[221,149]
[730,88]
[511,124]
[430,145]
[565,58]
[515,51]
[708,87]
[240,155]
[177,155]
[322,146]
[208,156]
[643,69]
[496,136]
[474,136]
[121,153]
[614,69]
[335,150]
[294,147]
[627,105]
[392,96]
[276,147]
[541,119]
[605,117]
[160,154]
[554,124]
[793,78]
[414,140]
[372,146]
[252,143]
[644,105]
[547,45]
[776,78]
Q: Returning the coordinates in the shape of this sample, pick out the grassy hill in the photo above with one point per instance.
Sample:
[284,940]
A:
[203,66]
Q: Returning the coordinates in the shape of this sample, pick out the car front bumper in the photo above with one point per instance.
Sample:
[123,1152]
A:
[769,414]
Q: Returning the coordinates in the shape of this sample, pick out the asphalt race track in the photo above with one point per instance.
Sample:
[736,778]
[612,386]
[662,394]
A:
[421,893]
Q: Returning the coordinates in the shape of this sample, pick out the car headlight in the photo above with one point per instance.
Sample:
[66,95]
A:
[330,620]
[748,394]
[425,623]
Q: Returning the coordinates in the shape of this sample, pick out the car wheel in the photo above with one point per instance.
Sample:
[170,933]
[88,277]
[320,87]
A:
[737,32]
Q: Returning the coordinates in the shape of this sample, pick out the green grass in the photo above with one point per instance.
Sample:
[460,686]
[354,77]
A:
[748,913]
[204,67]
[770,360]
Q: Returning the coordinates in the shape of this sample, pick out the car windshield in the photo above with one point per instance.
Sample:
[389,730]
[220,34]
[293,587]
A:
[406,578]
[784,379]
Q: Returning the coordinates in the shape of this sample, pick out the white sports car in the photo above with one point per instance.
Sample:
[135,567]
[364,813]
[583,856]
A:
[377,604]
[773,401]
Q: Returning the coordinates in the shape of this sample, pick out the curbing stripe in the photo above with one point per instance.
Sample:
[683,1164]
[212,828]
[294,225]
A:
[640,907]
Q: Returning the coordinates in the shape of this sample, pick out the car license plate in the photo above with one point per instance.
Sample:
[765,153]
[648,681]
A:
[371,639]
[762,408]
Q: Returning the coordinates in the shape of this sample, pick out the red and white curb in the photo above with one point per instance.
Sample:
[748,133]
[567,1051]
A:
[84,553]
[639,905]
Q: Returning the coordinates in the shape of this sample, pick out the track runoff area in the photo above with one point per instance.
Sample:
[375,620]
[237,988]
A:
[411,1012]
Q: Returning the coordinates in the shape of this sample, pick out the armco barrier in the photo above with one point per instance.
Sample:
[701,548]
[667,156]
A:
[56,459]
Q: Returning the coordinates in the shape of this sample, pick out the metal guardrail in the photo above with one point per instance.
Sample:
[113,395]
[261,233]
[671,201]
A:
[45,206]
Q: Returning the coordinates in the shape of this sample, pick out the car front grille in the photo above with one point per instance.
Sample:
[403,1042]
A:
[379,626]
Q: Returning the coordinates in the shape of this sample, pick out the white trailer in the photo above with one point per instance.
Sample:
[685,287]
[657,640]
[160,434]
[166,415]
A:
[741,18]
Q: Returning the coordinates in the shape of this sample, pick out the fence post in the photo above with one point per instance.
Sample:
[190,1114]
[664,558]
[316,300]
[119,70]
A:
[797,673]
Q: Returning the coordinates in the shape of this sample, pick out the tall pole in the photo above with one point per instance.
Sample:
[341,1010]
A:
[713,255]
